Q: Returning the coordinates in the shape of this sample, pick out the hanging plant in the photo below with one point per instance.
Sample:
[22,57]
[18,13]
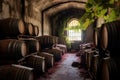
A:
[100,9]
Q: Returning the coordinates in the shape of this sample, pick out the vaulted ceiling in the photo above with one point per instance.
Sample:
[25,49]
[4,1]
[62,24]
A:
[47,11]
[50,7]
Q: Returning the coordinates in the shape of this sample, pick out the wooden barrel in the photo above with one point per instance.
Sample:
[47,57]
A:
[45,41]
[62,47]
[12,49]
[41,41]
[36,62]
[110,37]
[28,29]
[49,59]
[32,44]
[57,54]
[11,27]
[16,72]
[94,64]
[89,54]
[108,70]
[96,37]
[35,30]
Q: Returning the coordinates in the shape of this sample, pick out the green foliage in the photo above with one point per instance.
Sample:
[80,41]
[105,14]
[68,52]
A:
[76,28]
[99,8]
[68,43]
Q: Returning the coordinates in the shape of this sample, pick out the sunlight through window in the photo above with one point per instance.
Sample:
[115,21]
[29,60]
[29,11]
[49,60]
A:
[74,35]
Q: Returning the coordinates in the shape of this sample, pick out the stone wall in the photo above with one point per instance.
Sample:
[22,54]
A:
[20,9]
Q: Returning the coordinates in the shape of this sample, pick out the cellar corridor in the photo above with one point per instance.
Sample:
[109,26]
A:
[64,70]
[59,39]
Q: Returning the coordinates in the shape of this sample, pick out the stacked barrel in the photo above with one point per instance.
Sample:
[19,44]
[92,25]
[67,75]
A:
[110,41]
[23,53]
[12,49]
[18,50]
[47,44]
[16,72]
[103,61]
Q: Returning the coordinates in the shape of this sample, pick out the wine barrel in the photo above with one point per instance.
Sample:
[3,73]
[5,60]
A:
[110,37]
[36,62]
[41,41]
[94,65]
[11,27]
[108,70]
[45,41]
[32,44]
[96,37]
[89,59]
[57,54]
[49,59]
[28,29]
[62,47]
[35,30]
[16,72]
[12,49]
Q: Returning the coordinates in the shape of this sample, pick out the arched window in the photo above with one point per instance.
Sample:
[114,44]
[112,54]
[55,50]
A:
[72,34]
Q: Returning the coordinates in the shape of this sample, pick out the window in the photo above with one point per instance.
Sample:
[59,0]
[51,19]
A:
[72,34]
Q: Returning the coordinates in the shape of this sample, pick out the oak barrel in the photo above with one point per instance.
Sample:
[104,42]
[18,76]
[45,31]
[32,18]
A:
[11,27]
[107,69]
[36,62]
[35,30]
[28,29]
[49,59]
[32,44]
[88,60]
[12,49]
[96,37]
[94,64]
[110,37]
[16,72]
[45,41]
[57,54]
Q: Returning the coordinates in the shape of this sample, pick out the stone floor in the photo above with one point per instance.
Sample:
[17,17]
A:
[64,70]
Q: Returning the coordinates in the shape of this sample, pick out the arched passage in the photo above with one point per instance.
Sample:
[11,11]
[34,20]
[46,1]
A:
[73,32]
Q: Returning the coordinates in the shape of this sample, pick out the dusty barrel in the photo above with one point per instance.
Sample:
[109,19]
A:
[108,70]
[94,64]
[57,54]
[88,53]
[45,41]
[35,30]
[16,72]
[32,45]
[28,29]
[49,59]
[12,49]
[62,47]
[11,27]
[41,41]
[110,36]
[96,37]
[36,62]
